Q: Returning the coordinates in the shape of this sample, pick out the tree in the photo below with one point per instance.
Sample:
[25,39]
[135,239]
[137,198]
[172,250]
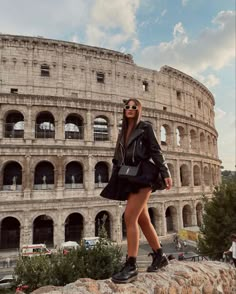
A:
[219,220]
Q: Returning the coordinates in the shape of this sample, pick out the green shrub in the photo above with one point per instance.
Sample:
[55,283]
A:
[99,262]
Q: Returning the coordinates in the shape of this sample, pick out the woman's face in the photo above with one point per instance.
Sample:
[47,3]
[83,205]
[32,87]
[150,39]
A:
[131,109]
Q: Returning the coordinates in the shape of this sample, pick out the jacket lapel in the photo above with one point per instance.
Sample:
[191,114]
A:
[136,133]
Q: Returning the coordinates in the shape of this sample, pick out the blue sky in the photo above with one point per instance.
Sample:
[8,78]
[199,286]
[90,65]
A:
[194,36]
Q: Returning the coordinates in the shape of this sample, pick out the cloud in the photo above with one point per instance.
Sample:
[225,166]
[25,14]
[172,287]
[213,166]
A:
[45,18]
[219,113]
[113,23]
[212,49]
[209,81]
[184,2]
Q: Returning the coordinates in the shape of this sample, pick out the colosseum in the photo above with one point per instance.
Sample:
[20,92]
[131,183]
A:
[60,114]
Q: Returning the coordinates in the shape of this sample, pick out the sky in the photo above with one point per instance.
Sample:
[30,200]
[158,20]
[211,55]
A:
[193,36]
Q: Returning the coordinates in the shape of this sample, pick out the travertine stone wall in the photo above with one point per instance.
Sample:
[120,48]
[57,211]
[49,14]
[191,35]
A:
[177,278]
[180,108]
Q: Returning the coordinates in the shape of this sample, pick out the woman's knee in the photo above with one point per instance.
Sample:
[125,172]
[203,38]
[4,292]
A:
[130,220]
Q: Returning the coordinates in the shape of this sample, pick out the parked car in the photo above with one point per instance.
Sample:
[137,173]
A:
[66,247]
[90,242]
[7,282]
[35,250]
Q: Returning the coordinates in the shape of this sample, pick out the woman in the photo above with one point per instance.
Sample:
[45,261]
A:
[136,145]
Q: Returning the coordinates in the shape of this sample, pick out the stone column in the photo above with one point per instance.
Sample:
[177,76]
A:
[27,178]
[191,184]
[178,182]
[179,216]
[194,214]
[1,128]
[88,128]
[59,230]
[89,227]
[163,229]
[89,174]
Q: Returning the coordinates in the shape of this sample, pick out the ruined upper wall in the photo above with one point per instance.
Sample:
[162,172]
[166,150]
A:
[73,71]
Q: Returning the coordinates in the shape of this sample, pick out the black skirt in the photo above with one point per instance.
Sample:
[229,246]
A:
[120,188]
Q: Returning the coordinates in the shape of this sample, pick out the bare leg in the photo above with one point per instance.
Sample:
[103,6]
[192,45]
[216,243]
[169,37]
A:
[148,230]
[135,205]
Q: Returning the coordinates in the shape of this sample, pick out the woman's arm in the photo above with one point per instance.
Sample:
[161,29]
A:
[156,153]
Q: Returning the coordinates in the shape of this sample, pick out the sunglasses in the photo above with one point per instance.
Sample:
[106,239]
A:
[130,107]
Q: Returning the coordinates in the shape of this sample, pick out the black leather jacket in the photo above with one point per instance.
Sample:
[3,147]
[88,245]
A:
[142,145]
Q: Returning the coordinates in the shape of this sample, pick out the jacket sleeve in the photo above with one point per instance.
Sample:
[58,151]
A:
[156,153]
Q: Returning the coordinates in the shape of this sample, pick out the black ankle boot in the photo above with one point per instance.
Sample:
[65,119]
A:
[128,273]
[159,260]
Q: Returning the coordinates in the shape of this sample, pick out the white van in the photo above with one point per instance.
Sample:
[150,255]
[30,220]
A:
[35,250]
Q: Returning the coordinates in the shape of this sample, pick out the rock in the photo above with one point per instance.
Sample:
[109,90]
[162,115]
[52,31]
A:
[206,277]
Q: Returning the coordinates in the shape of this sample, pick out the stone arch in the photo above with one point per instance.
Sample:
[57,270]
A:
[12,176]
[45,125]
[44,175]
[172,172]
[74,126]
[193,140]
[180,134]
[10,233]
[165,134]
[43,230]
[187,216]
[73,175]
[74,227]
[101,128]
[101,173]
[14,124]
[171,219]
[207,176]
[103,219]
[184,175]
[199,213]
[209,144]
[202,142]
[196,175]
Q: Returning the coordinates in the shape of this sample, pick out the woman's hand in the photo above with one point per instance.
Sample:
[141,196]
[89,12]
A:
[168,182]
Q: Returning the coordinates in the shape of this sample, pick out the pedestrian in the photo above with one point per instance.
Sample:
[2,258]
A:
[139,168]
[232,249]
[8,261]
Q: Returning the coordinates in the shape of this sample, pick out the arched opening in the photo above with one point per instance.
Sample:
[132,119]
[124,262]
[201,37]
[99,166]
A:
[187,216]
[202,142]
[74,225]
[102,221]
[184,175]
[74,175]
[199,210]
[196,175]
[171,219]
[43,230]
[14,125]
[206,176]
[209,143]
[9,233]
[152,216]
[12,176]
[165,135]
[44,176]
[101,174]
[180,136]
[172,173]
[45,125]
[100,129]
[193,140]
[74,128]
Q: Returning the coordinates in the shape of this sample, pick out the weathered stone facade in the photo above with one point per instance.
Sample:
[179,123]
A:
[60,110]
